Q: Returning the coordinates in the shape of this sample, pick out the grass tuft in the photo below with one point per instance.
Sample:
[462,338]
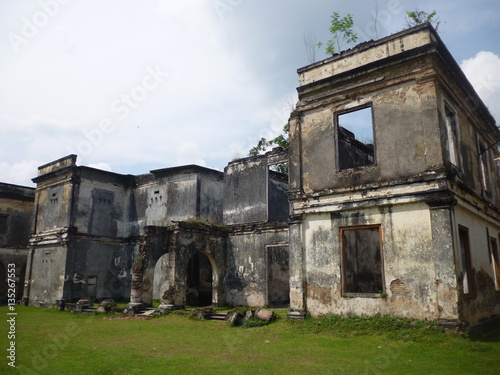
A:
[393,328]
[49,341]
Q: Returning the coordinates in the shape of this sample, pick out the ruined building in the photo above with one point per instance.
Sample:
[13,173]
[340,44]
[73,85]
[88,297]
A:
[394,187]
[391,206]
[185,235]
[16,213]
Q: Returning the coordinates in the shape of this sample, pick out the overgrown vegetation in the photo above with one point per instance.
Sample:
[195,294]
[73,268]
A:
[417,17]
[280,141]
[393,328]
[342,33]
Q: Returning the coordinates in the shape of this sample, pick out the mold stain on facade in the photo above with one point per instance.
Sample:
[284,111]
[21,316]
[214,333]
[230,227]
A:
[391,206]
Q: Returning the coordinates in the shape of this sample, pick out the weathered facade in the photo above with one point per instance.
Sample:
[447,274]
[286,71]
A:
[179,235]
[391,207]
[16,215]
[394,186]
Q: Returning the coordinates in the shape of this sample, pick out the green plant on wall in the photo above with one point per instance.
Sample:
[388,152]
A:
[342,33]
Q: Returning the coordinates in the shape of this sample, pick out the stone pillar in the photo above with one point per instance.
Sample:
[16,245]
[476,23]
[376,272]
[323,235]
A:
[27,278]
[153,244]
[297,277]
[444,261]
[168,298]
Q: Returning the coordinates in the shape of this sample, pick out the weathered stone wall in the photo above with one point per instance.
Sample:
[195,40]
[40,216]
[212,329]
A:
[54,205]
[482,300]
[101,206]
[98,270]
[247,272]
[186,240]
[18,258]
[472,130]
[407,265]
[413,193]
[402,109]
[16,207]
[16,217]
[47,275]
[245,191]
[176,194]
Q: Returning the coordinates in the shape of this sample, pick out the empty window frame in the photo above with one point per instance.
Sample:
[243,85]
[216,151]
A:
[484,166]
[465,256]
[3,224]
[355,138]
[496,260]
[362,260]
[452,134]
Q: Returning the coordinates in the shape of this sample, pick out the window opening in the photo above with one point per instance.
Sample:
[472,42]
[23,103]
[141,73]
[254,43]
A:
[355,139]
[452,131]
[362,260]
[277,189]
[496,261]
[3,224]
[467,277]
[484,166]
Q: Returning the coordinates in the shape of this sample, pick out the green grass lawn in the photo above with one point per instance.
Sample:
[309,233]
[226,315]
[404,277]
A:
[53,342]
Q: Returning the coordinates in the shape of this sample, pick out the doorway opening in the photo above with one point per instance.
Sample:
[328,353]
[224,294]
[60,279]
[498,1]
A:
[92,287]
[278,276]
[199,280]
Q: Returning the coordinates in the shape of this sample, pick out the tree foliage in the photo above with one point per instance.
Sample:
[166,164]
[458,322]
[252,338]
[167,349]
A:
[281,141]
[263,145]
[342,33]
[418,17]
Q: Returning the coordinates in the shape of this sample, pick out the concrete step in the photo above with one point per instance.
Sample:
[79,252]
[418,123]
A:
[218,316]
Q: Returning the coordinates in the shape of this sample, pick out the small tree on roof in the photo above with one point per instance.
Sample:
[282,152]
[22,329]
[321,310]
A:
[418,17]
[342,34]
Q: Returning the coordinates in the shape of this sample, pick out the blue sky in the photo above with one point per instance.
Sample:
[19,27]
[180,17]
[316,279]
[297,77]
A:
[132,86]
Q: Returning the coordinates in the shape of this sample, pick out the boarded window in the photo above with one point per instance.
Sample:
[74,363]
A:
[362,260]
[3,224]
[452,132]
[355,143]
[467,276]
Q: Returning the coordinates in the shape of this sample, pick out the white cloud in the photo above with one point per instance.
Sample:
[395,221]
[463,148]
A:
[19,173]
[482,71]
[230,79]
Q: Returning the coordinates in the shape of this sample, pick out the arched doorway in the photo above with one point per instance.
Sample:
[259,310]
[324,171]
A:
[199,280]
